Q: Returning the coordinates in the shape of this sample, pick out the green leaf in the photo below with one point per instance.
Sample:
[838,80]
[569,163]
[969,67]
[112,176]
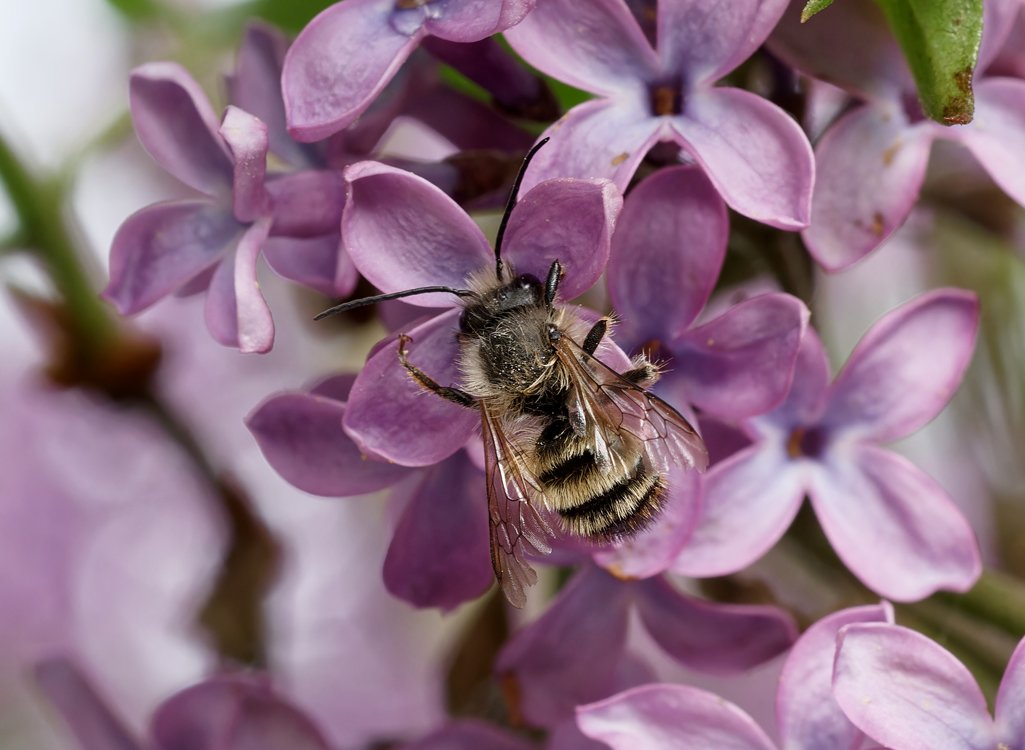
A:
[940,39]
[814,6]
[137,10]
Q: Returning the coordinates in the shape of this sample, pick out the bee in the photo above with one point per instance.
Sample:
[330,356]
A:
[563,432]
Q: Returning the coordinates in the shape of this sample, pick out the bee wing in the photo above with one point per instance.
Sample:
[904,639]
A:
[614,405]
[517,529]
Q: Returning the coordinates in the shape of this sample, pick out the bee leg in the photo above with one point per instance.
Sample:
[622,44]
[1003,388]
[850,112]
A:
[643,374]
[426,381]
[552,283]
[595,335]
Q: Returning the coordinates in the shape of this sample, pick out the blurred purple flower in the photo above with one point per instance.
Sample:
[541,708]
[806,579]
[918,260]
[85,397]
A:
[347,54]
[909,693]
[657,716]
[892,525]
[591,613]
[871,163]
[754,153]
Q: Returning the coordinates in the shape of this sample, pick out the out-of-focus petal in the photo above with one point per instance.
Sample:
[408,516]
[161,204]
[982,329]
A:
[402,232]
[590,614]
[667,252]
[163,246]
[178,127]
[906,367]
[236,312]
[996,136]
[341,60]
[757,157]
[742,363]
[1010,704]
[389,415]
[246,138]
[711,638]
[319,263]
[566,220]
[808,391]
[708,40]
[307,203]
[596,46]
[881,513]
[907,692]
[473,20]
[440,554]
[301,436]
[806,714]
[670,716]
[469,734]
[750,499]
[870,166]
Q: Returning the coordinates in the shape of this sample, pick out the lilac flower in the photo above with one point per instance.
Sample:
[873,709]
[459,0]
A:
[872,162]
[909,693]
[469,735]
[664,716]
[347,54]
[755,155]
[667,253]
[882,515]
[592,612]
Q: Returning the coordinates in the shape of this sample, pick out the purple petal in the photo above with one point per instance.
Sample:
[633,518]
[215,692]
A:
[897,378]
[997,134]
[236,312]
[301,436]
[808,394]
[665,716]
[870,166]
[319,263]
[566,220]
[465,122]
[908,692]
[469,734]
[757,157]
[86,713]
[742,363]
[178,128]
[161,247]
[601,138]
[591,614]
[392,417]
[473,20]
[307,203]
[233,713]
[709,637]
[596,46]
[750,500]
[881,513]
[806,714]
[667,252]
[708,40]
[998,20]
[1010,704]
[339,63]
[440,555]
[246,138]
[402,232]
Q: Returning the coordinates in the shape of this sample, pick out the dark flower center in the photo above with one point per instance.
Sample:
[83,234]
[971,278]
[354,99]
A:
[666,98]
[809,442]
[912,107]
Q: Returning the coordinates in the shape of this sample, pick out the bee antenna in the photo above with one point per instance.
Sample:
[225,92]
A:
[511,203]
[365,301]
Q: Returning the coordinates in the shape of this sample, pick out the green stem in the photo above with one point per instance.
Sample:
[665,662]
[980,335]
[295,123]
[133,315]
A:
[997,598]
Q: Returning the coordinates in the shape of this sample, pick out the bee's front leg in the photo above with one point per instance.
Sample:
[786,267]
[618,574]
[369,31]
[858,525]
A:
[454,395]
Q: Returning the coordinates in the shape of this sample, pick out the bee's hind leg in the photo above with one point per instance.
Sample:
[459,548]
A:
[644,373]
[454,395]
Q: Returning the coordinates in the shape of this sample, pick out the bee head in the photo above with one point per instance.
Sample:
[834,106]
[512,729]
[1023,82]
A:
[522,292]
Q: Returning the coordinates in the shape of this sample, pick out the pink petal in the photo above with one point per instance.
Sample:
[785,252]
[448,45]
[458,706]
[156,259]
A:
[596,46]
[392,417]
[997,134]
[440,554]
[402,232]
[667,252]
[566,220]
[883,514]
[236,312]
[870,167]
[161,247]
[757,157]
[339,63]
[670,716]
[806,400]
[473,20]
[806,714]
[750,500]
[319,263]
[178,127]
[1010,704]
[301,436]
[906,367]
[708,40]
[470,734]
[307,203]
[908,692]
[709,637]
[246,138]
